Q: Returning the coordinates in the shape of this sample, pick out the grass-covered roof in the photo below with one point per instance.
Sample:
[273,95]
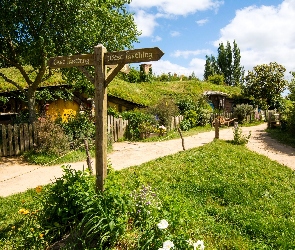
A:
[146,93]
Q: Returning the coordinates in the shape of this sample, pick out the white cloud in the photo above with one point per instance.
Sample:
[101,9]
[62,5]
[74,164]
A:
[174,33]
[146,23]
[187,53]
[164,67]
[264,34]
[156,39]
[202,22]
[197,65]
[174,7]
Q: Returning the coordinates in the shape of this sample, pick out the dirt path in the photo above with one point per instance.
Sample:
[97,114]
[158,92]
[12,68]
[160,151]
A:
[16,176]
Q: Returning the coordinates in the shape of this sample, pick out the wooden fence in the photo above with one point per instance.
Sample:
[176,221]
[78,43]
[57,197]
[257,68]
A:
[16,139]
[116,127]
[249,118]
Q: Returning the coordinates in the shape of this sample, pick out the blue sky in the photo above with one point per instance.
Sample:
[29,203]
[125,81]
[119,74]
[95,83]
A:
[188,30]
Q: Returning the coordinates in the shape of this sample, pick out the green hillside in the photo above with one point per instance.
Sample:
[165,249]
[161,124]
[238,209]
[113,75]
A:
[150,93]
[145,93]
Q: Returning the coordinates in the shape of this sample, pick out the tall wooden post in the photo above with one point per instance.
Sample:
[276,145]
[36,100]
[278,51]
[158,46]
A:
[100,101]
[216,128]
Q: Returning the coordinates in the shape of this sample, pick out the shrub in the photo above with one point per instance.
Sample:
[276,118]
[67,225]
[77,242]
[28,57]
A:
[21,117]
[216,79]
[135,119]
[291,119]
[193,118]
[113,112]
[204,117]
[185,105]
[65,200]
[241,111]
[185,125]
[133,76]
[90,220]
[239,138]
[78,127]
[51,139]
[164,111]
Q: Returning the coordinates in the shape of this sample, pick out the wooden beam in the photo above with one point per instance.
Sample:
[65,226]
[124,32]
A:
[114,71]
[100,102]
[86,73]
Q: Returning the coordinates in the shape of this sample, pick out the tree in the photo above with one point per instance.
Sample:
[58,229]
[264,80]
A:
[33,31]
[210,67]
[237,70]
[291,87]
[226,64]
[265,84]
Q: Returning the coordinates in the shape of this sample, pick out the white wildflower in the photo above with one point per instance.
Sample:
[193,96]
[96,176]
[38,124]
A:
[199,245]
[163,224]
[168,244]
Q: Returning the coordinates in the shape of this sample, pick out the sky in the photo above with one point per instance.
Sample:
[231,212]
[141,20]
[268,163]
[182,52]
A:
[188,30]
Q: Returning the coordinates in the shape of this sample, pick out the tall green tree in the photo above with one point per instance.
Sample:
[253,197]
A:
[210,67]
[227,64]
[291,111]
[265,84]
[33,31]
[237,70]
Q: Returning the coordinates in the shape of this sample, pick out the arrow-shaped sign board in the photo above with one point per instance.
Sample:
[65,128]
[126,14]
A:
[71,61]
[133,56]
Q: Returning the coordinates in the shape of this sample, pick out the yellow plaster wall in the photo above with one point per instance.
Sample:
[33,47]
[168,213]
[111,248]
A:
[63,109]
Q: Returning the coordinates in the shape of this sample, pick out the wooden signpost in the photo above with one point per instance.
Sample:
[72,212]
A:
[102,60]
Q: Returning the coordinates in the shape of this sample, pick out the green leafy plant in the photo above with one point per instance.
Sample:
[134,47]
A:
[78,127]
[135,119]
[21,117]
[239,138]
[113,112]
[216,79]
[186,105]
[185,125]
[65,201]
[4,99]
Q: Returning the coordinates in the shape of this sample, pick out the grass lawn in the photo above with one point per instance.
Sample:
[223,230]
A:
[223,194]
[227,195]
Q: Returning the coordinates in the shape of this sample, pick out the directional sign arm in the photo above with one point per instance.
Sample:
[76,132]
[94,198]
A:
[71,61]
[113,73]
[87,74]
[133,56]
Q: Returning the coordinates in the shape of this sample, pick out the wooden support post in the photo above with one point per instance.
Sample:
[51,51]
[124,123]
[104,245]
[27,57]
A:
[216,128]
[182,140]
[100,102]
[88,158]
